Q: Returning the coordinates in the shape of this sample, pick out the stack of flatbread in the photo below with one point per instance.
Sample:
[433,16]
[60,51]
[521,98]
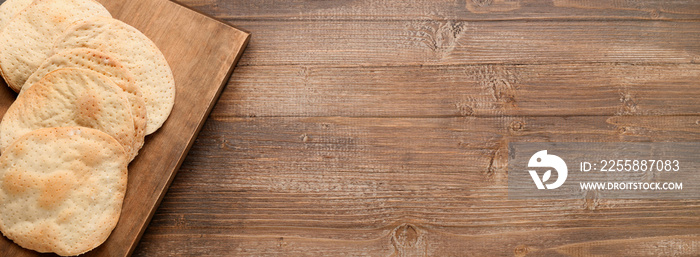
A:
[90,89]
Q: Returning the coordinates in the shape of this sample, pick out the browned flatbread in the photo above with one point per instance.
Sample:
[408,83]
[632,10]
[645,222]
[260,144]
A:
[61,189]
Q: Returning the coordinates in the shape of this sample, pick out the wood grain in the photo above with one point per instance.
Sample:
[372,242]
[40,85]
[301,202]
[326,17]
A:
[379,128]
[449,10]
[462,90]
[404,186]
[201,64]
[438,42]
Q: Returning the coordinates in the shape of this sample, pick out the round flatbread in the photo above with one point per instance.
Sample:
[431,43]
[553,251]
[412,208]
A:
[138,54]
[61,189]
[10,8]
[104,64]
[70,97]
[27,39]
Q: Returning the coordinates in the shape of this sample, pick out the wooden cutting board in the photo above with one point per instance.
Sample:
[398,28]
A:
[202,53]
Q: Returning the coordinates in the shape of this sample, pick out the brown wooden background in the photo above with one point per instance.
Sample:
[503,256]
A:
[379,128]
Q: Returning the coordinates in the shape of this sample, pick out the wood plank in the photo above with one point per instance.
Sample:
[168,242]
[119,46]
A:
[202,53]
[431,241]
[462,90]
[445,9]
[337,185]
[381,43]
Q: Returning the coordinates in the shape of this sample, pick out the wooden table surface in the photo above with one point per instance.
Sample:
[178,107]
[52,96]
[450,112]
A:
[379,128]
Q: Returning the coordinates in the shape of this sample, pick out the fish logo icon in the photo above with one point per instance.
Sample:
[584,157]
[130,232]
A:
[543,160]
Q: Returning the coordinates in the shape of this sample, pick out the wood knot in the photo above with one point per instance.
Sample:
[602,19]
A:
[591,201]
[498,164]
[516,126]
[224,143]
[465,110]
[282,243]
[489,6]
[405,235]
[501,82]
[482,3]
[654,14]
[629,105]
[444,37]
[521,250]
[622,130]
[180,221]
[503,90]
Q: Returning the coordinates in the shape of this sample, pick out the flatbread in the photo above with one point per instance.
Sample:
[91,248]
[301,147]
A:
[10,8]
[61,189]
[104,64]
[27,39]
[138,54]
[71,97]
